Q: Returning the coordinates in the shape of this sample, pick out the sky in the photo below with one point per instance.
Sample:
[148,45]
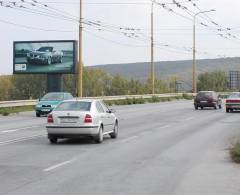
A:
[108,23]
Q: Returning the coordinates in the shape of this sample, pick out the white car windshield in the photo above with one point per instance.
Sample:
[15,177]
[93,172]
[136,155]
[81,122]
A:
[45,49]
[53,97]
[74,106]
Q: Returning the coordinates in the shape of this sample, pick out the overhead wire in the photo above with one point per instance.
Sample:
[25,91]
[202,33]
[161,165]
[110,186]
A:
[35,28]
[132,33]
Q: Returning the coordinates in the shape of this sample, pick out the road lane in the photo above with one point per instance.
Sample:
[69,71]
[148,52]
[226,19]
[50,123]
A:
[161,149]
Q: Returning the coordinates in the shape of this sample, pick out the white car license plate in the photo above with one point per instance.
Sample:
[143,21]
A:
[46,110]
[68,120]
[203,101]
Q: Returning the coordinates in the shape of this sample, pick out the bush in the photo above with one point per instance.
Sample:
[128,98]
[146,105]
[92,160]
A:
[139,101]
[187,97]
[129,101]
[7,111]
[235,153]
[155,99]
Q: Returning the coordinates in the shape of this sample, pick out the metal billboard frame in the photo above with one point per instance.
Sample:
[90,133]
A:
[74,68]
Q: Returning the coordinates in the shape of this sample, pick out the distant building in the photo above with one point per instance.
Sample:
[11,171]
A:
[234,80]
[179,87]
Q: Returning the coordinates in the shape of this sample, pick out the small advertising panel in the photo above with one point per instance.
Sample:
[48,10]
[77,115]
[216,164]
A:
[44,57]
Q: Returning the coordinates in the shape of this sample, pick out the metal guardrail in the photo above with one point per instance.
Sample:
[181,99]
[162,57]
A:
[18,103]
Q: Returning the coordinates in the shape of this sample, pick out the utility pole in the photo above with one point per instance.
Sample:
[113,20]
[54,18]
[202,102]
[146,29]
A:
[152,53]
[80,54]
[194,83]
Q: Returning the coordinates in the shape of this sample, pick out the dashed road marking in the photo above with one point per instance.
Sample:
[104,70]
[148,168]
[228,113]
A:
[21,139]
[129,139]
[19,129]
[58,165]
[188,119]
[164,127]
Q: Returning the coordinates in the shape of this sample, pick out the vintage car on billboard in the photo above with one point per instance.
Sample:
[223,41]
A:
[45,55]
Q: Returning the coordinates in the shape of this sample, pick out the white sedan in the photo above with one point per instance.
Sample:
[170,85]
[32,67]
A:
[86,117]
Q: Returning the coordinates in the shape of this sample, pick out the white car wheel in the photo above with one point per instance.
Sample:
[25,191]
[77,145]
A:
[99,137]
[114,134]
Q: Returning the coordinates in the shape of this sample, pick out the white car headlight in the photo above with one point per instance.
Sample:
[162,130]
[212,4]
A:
[38,106]
[53,106]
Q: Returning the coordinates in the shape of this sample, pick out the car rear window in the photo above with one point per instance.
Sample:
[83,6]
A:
[204,94]
[74,106]
[235,95]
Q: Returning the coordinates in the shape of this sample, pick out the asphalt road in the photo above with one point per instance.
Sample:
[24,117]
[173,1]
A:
[162,149]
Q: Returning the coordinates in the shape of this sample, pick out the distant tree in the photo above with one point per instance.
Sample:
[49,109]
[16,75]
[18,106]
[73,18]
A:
[29,86]
[135,87]
[217,81]
[69,84]
[160,86]
[119,85]
[6,88]
[96,82]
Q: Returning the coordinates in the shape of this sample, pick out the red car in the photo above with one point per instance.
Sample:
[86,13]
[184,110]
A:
[207,99]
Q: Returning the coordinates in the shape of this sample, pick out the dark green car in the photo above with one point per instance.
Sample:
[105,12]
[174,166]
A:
[50,101]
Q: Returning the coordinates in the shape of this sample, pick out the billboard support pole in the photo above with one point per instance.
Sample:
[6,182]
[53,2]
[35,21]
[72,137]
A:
[55,83]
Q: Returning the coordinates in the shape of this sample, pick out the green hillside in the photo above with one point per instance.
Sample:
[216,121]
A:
[166,69]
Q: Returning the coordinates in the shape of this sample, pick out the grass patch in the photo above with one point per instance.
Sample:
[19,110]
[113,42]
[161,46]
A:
[235,153]
[10,110]
[187,97]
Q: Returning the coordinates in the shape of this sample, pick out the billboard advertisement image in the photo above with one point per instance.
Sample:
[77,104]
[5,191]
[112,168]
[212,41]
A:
[44,57]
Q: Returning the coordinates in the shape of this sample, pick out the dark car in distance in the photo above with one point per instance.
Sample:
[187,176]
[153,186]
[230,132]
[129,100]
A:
[207,99]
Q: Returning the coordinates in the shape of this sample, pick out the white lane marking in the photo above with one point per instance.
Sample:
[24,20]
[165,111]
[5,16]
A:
[142,134]
[188,119]
[164,127]
[129,139]
[145,133]
[19,129]
[58,165]
[21,139]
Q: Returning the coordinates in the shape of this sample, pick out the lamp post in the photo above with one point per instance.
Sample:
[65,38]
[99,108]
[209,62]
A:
[194,84]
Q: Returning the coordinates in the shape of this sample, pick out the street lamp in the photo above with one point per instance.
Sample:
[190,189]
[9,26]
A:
[194,84]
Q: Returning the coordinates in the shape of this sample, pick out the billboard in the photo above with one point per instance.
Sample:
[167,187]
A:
[44,57]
